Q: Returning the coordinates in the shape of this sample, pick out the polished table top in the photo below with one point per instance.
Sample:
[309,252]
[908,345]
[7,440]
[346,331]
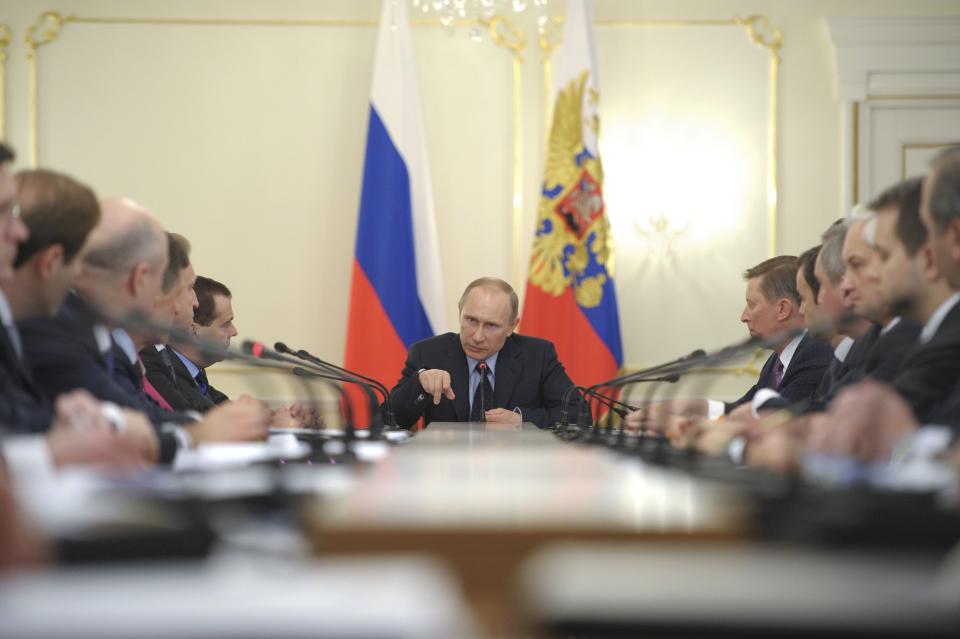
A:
[494,476]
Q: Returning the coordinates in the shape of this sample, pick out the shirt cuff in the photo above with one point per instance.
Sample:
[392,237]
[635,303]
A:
[925,443]
[715,409]
[736,449]
[28,457]
[761,397]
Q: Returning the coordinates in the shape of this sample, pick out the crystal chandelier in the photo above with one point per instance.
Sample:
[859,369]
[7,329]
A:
[477,12]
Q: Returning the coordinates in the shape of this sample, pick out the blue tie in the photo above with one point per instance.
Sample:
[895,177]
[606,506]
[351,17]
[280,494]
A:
[202,382]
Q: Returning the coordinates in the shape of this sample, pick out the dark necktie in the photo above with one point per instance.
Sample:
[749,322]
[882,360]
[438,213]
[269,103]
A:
[202,382]
[777,374]
[483,396]
[108,358]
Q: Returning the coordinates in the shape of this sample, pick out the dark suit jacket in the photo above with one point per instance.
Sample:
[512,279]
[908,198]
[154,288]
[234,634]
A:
[23,408]
[173,381]
[63,355]
[528,376]
[885,359]
[802,377]
[930,371]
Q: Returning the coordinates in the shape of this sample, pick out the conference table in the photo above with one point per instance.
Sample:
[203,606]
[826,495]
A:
[482,497]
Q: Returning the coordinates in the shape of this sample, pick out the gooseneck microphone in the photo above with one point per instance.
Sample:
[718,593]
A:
[257,349]
[381,388]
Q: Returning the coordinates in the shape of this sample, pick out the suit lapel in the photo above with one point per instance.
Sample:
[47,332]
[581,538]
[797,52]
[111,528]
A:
[507,373]
[459,378]
[15,366]
[766,373]
[179,370]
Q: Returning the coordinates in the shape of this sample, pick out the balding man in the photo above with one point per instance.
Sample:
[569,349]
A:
[122,275]
[484,373]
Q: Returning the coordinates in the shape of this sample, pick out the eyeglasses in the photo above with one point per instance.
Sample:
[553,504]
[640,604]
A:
[10,213]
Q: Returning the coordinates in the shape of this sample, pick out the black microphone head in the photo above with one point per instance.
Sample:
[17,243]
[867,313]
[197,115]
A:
[697,354]
[302,354]
[280,347]
[672,378]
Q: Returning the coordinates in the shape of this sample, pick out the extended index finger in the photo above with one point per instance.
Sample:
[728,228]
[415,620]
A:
[447,388]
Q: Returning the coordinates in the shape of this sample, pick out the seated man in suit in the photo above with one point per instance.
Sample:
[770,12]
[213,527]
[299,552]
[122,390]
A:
[794,369]
[179,373]
[122,273]
[213,323]
[484,373]
[912,281]
[167,374]
[890,336]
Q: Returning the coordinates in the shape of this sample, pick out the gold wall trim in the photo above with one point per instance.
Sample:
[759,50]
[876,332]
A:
[761,32]
[503,33]
[855,162]
[928,96]
[5,37]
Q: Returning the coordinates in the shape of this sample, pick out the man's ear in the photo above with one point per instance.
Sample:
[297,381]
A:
[516,323]
[953,229]
[49,260]
[137,278]
[928,265]
[785,309]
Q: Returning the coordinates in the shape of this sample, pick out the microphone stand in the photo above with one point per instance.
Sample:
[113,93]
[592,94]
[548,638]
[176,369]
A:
[391,421]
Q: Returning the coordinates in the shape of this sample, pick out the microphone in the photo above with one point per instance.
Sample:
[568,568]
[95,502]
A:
[251,347]
[615,405]
[136,320]
[376,384]
[623,380]
[482,366]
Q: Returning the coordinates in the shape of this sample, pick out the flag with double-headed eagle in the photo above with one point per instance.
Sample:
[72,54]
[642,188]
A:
[570,296]
[396,295]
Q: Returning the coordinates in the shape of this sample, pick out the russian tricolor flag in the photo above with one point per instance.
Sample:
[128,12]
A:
[396,294]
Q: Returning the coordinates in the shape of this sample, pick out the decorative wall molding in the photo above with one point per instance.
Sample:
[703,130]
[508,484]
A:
[883,60]
[889,57]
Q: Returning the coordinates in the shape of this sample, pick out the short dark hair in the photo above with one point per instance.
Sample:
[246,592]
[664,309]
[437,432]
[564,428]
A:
[6,154]
[779,278]
[500,285]
[945,186]
[56,209]
[207,289]
[178,248]
[806,263]
[905,198]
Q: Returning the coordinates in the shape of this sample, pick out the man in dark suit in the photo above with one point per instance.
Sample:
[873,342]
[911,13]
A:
[179,373]
[911,280]
[59,214]
[22,406]
[484,373]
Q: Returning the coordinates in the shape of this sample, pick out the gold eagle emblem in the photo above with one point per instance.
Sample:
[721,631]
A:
[571,246]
